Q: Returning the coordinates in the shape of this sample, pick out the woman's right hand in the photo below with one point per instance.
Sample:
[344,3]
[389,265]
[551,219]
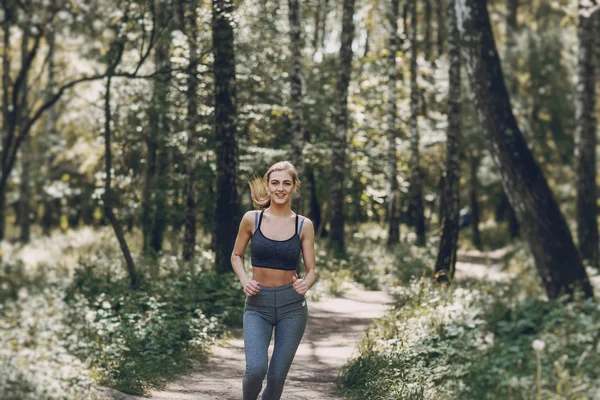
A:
[251,287]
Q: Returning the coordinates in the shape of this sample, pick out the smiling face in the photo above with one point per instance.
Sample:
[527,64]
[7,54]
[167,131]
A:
[281,186]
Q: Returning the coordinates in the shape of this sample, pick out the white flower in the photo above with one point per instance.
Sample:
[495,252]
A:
[538,345]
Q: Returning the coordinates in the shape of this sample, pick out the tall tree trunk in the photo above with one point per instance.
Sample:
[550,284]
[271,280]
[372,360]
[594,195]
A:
[189,236]
[446,258]
[416,184]
[427,39]
[441,27]
[227,212]
[585,140]
[545,228]
[296,95]
[24,195]
[6,83]
[392,131]
[49,136]
[117,51]
[161,104]
[473,200]
[338,163]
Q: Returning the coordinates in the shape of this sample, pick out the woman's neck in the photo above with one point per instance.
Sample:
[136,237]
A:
[280,210]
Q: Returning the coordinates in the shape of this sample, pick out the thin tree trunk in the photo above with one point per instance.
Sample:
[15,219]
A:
[8,15]
[107,196]
[338,164]
[427,39]
[392,132]
[189,236]
[585,141]
[441,26]
[296,94]
[474,202]
[416,184]
[545,228]
[24,195]
[227,212]
[446,258]
[49,136]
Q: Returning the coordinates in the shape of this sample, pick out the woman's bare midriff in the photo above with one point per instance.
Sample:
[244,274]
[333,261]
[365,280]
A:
[270,277]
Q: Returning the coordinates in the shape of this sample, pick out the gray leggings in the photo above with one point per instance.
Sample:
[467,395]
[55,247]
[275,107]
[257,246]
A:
[280,307]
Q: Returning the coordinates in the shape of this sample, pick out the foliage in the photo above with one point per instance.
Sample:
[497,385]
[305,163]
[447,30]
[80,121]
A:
[475,342]
[84,326]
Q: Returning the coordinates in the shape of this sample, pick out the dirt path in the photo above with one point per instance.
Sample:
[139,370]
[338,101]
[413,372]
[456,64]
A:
[334,328]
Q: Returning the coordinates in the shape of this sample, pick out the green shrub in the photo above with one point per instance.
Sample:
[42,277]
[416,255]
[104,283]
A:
[475,342]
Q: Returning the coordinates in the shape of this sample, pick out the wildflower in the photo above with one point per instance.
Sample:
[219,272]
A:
[538,345]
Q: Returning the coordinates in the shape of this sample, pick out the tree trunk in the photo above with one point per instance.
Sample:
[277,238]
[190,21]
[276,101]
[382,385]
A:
[25,195]
[338,162]
[585,140]
[416,184]
[107,196]
[6,83]
[48,217]
[473,202]
[441,27]
[446,258]
[189,236]
[296,95]
[227,213]
[545,228]
[427,39]
[161,104]
[392,132]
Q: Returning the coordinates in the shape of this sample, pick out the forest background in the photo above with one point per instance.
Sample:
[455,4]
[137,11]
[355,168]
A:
[131,128]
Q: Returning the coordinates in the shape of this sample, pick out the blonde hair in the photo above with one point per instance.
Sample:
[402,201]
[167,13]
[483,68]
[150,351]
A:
[258,186]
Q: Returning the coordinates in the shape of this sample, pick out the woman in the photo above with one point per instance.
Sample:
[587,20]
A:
[275,295]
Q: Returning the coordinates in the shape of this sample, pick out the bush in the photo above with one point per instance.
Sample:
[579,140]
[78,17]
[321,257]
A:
[475,342]
[68,326]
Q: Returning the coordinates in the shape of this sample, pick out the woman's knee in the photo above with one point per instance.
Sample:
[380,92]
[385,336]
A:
[256,371]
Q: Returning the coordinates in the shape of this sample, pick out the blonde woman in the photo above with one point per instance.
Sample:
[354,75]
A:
[275,294]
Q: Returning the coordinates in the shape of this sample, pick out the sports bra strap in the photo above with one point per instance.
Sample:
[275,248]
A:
[296,227]
[260,219]
[301,224]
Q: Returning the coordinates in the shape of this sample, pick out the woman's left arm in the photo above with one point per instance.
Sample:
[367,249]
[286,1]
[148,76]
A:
[307,238]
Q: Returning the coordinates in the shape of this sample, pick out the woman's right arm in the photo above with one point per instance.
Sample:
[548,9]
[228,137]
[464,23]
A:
[237,255]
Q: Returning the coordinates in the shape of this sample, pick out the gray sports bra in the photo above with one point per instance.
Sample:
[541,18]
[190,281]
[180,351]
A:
[275,254]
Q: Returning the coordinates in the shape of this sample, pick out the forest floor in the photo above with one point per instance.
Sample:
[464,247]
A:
[334,330]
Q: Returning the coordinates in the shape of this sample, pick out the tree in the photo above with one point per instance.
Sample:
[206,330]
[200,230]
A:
[393,215]
[585,139]
[427,39]
[338,162]
[441,27]
[24,196]
[227,213]
[446,258]
[544,227]
[115,55]
[416,184]
[474,161]
[157,183]
[190,25]
[513,87]
[296,93]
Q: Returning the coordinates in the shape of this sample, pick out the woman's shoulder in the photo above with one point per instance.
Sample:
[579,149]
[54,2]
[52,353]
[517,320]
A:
[251,216]
[304,221]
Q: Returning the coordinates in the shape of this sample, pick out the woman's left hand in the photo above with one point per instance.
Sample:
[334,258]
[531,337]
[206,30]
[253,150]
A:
[299,286]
